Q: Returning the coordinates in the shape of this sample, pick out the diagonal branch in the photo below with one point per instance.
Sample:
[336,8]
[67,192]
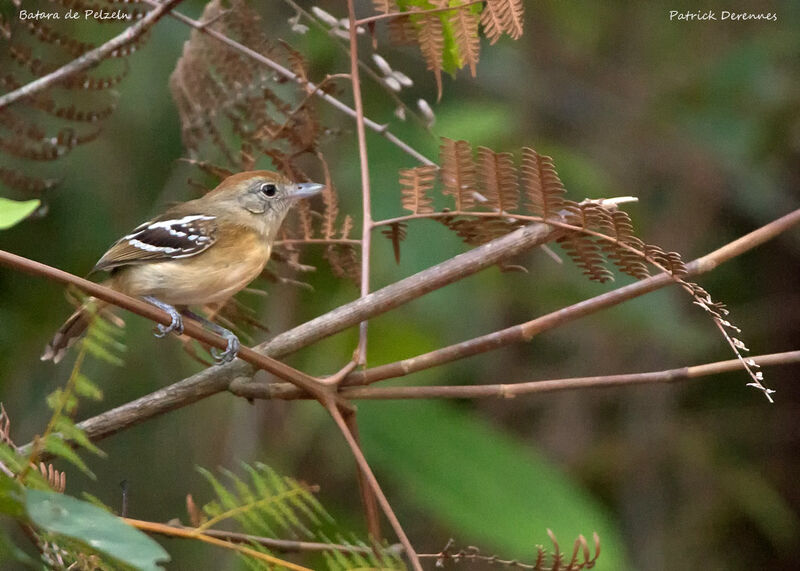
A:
[526,331]
[91,58]
[364,466]
[290,75]
[214,380]
[191,328]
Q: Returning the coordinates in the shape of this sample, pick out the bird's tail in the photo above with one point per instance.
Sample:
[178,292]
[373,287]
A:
[72,329]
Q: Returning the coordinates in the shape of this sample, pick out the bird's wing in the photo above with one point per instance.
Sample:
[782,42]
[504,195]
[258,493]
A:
[164,238]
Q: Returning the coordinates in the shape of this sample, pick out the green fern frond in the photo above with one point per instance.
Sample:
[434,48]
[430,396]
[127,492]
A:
[273,506]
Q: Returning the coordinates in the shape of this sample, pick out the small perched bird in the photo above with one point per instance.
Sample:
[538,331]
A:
[197,252]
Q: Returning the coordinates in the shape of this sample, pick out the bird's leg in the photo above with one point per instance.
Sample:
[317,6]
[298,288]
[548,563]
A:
[177,322]
[229,354]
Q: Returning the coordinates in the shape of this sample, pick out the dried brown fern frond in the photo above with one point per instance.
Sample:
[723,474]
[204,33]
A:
[343,258]
[593,233]
[218,90]
[5,428]
[57,480]
[384,6]
[458,172]
[477,231]
[56,120]
[465,31]
[430,37]
[586,254]
[499,178]
[396,233]
[402,31]
[628,262]
[541,184]
[502,17]
[27,185]
[416,183]
[554,560]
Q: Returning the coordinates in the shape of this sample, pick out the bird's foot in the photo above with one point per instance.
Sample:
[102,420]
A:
[175,325]
[230,352]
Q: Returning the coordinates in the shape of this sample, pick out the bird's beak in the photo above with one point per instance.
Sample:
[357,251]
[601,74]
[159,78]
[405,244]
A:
[306,189]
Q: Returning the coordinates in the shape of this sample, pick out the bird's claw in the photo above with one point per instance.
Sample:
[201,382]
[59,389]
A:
[175,325]
[230,352]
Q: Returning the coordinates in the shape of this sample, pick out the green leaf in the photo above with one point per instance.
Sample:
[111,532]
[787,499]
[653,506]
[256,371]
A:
[11,496]
[490,489]
[10,552]
[98,351]
[86,388]
[56,445]
[95,527]
[12,212]
[70,431]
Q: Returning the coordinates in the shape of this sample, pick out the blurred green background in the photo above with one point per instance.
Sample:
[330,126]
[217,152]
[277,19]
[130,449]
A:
[698,119]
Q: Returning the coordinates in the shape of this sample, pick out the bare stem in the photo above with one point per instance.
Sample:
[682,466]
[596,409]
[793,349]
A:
[390,15]
[91,58]
[280,545]
[366,231]
[263,390]
[172,531]
[373,484]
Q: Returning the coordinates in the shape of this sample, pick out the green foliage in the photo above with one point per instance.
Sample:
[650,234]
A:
[12,212]
[426,448]
[275,506]
[94,527]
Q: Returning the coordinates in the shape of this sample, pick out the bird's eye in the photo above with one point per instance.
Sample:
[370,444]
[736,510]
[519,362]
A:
[268,189]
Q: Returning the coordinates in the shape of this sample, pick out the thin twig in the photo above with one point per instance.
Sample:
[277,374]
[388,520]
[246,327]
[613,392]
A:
[325,241]
[287,73]
[370,19]
[366,233]
[361,460]
[364,66]
[525,331]
[172,531]
[286,545]
[284,391]
[91,58]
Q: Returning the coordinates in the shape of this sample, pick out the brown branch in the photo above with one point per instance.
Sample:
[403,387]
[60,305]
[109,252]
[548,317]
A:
[288,74]
[280,545]
[172,531]
[370,19]
[361,64]
[511,390]
[216,379]
[191,328]
[366,200]
[91,58]
[324,241]
[361,460]
[283,391]
[526,331]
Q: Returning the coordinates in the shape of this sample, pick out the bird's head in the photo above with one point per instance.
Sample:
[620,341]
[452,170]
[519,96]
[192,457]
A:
[266,195]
